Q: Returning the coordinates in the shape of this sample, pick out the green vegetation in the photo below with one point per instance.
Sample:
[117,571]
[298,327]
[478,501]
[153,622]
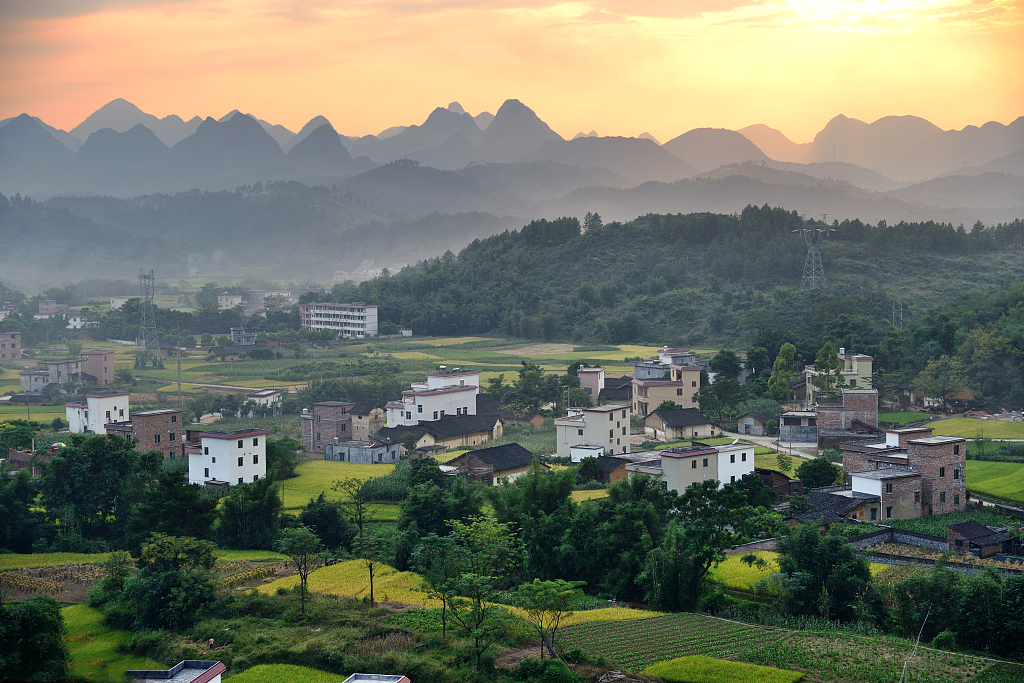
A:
[98,651]
[1004,480]
[640,643]
[936,525]
[970,427]
[701,669]
[285,673]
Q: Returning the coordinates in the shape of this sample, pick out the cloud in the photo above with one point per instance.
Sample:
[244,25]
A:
[55,9]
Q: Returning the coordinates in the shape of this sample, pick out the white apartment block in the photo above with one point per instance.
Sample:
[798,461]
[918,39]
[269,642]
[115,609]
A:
[97,411]
[446,392]
[605,426]
[356,320]
[232,457]
[688,465]
[266,397]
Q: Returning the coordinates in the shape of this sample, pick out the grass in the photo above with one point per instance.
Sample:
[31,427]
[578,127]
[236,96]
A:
[272,673]
[318,476]
[769,461]
[701,669]
[580,496]
[1003,480]
[970,427]
[15,561]
[737,574]
[95,648]
[837,656]
[886,418]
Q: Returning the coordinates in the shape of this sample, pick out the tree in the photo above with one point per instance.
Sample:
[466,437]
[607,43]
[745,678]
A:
[941,379]
[324,518]
[21,523]
[206,340]
[74,348]
[782,370]
[668,405]
[373,551]
[306,553]
[829,375]
[785,462]
[726,364]
[57,424]
[165,553]
[592,221]
[388,328]
[170,507]
[546,604]
[356,502]
[438,560]
[124,376]
[249,516]
[409,442]
[824,575]
[589,469]
[32,644]
[817,472]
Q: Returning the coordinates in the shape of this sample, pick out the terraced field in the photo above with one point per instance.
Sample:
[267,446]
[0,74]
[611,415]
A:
[639,643]
[997,479]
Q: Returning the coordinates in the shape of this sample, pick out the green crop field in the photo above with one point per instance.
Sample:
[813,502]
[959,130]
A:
[886,418]
[936,525]
[1003,480]
[15,561]
[285,673]
[95,648]
[318,476]
[639,643]
[971,427]
[769,461]
[838,656]
[737,574]
[701,669]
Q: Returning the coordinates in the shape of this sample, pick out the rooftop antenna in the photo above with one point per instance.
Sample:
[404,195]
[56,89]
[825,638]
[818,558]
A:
[148,337]
[814,272]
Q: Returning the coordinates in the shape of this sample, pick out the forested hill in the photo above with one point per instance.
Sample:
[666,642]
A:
[694,280]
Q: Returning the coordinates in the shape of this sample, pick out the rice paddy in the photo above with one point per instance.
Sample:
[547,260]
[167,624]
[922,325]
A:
[96,650]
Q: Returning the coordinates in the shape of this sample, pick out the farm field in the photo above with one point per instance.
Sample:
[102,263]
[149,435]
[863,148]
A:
[94,647]
[769,461]
[15,561]
[639,643]
[275,673]
[837,656]
[736,574]
[701,669]
[39,413]
[318,476]
[997,479]
[970,427]
[580,496]
[901,419]
[936,525]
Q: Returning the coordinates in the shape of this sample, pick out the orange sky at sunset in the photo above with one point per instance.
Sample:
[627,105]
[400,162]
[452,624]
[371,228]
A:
[620,67]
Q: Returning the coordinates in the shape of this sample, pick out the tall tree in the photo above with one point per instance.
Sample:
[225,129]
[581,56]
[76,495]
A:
[249,516]
[829,375]
[783,369]
[170,507]
[547,604]
[941,379]
[306,554]
[726,364]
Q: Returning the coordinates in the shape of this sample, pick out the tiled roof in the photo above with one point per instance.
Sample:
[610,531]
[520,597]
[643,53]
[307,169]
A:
[829,506]
[446,427]
[684,417]
[979,534]
[505,457]
[609,463]
[363,408]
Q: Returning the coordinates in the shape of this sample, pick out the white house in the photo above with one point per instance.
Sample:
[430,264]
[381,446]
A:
[231,457]
[604,426]
[734,461]
[266,397]
[97,411]
[688,465]
[446,392]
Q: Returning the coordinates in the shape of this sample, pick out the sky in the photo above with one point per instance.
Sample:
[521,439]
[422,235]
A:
[620,67]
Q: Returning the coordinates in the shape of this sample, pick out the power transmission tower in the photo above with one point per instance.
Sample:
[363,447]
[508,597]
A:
[814,272]
[148,337]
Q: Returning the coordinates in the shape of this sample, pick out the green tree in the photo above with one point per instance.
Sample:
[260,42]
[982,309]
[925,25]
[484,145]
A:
[170,507]
[206,340]
[324,518]
[817,472]
[439,561]
[941,379]
[74,348]
[829,375]
[783,369]
[22,523]
[668,405]
[306,554]
[57,424]
[589,469]
[546,604]
[785,462]
[409,441]
[374,552]
[249,516]
[355,503]
[124,376]
[726,364]
[824,575]
[32,644]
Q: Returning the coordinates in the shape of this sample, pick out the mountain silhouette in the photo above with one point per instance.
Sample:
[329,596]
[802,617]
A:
[515,132]
[136,148]
[775,144]
[708,148]
[454,153]
[635,159]
[281,135]
[321,153]
[877,145]
[24,139]
[311,125]
[121,115]
[441,125]
[217,152]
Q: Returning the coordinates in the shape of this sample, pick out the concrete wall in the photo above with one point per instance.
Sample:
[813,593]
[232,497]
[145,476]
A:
[794,433]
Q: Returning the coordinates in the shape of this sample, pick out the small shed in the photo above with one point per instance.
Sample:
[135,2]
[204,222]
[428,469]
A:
[756,423]
[683,423]
[783,485]
[983,541]
[363,452]
[612,469]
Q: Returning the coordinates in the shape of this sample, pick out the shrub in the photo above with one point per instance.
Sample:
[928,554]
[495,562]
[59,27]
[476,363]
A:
[547,671]
[945,640]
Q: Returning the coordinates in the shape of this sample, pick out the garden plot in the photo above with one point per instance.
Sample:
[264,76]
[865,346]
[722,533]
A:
[639,643]
[65,582]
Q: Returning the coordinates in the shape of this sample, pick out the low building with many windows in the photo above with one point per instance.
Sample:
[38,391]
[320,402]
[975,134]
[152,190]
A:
[354,321]
[97,411]
[229,457]
[604,426]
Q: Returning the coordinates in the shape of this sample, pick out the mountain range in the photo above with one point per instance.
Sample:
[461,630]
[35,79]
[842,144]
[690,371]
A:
[512,163]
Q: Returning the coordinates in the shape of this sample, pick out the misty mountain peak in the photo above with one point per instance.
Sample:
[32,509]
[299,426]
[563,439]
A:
[322,147]
[456,108]
[709,148]
[515,131]
[647,136]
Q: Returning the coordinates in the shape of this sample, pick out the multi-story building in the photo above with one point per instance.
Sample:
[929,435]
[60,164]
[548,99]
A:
[939,460]
[229,457]
[658,368]
[679,386]
[97,412]
[155,430]
[329,420]
[356,320]
[856,370]
[226,300]
[56,372]
[680,467]
[99,364]
[48,307]
[446,392]
[10,345]
[605,426]
[266,397]
[239,337]
[367,419]
[591,381]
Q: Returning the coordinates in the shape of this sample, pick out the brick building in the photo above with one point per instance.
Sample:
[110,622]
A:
[973,536]
[858,405]
[783,485]
[156,430]
[367,419]
[99,365]
[10,345]
[328,421]
[898,490]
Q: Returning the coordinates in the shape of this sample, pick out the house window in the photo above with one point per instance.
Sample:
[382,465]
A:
[611,433]
[156,438]
[206,472]
[239,480]
[694,463]
[693,399]
[255,477]
[256,442]
[888,513]
[580,432]
[442,413]
[214,460]
[344,428]
[874,514]
[956,474]
[623,413]
[705,462]
[888,487]
[435,414]
[174,418]
[623,431]
[617,442]
[318,436]
[942,471]
[956,450]
[318,419]
[853,382]
[108,414]
[256,459]
[206,451]
[693,383]
[956,499]
[732,458]
[239,443]
[611,417]
[679,392]
[239,462]
[743,457]
[170,436]
[419,409]
[120,412]
[942,497]
[853,516]
[917,496]
[408,415]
